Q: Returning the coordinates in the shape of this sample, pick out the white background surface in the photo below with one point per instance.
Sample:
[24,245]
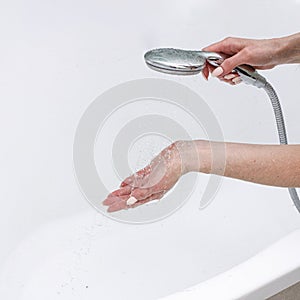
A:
[55,58]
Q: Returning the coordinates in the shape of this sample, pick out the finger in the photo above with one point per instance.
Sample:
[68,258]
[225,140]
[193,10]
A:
[132,180]
[215,47]
[227,78]
[205,72]
[114,199]
[123,184]
[135,178]
[123,204]
[122,191]
[118,205]
[230,76]
[227,81]
[142,193]
[230,63]
[227,46]
[236,80]
[151,198]
[210,68]
[127,181]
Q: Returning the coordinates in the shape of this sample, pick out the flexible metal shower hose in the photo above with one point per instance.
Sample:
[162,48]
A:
[281,132]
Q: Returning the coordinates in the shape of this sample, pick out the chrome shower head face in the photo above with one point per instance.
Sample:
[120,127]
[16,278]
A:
[175,61]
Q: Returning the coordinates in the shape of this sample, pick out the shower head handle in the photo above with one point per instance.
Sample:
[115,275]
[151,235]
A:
[247,73]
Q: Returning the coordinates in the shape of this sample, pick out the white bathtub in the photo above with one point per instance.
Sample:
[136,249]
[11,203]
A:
[55,59]
[261,276]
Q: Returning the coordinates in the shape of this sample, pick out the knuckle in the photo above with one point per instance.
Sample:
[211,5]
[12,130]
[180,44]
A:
[228,40]
[247,52]
[227,65]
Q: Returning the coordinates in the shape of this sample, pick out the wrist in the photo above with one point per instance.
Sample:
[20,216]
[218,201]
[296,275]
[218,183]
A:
[290,49]
[195,156]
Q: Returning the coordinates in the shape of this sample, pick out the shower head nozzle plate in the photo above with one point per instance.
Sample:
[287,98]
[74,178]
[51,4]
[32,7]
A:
[175,61]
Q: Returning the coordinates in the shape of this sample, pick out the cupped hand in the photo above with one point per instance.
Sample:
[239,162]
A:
[261,54]
[151,182]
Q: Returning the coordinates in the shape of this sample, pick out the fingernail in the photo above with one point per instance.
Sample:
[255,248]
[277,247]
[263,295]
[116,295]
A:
[237,80]
[229,76]
[204,76]
[217,72]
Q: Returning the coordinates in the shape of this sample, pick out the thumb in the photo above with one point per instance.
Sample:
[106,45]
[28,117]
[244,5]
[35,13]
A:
[230,63]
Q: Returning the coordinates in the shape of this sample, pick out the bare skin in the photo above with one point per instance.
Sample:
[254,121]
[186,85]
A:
[276,165]
[261,54]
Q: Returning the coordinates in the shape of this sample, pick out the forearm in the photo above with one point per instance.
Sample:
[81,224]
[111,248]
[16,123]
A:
[290,49]
[276,165]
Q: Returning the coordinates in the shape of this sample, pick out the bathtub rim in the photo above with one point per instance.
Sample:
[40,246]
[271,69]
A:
[281,262]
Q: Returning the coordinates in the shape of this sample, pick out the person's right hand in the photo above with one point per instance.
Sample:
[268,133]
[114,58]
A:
[261,54]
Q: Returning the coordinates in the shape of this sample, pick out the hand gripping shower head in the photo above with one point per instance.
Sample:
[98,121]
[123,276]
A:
[190,62]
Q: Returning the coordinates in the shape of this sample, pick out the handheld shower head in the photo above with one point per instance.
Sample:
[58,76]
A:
[190,62]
